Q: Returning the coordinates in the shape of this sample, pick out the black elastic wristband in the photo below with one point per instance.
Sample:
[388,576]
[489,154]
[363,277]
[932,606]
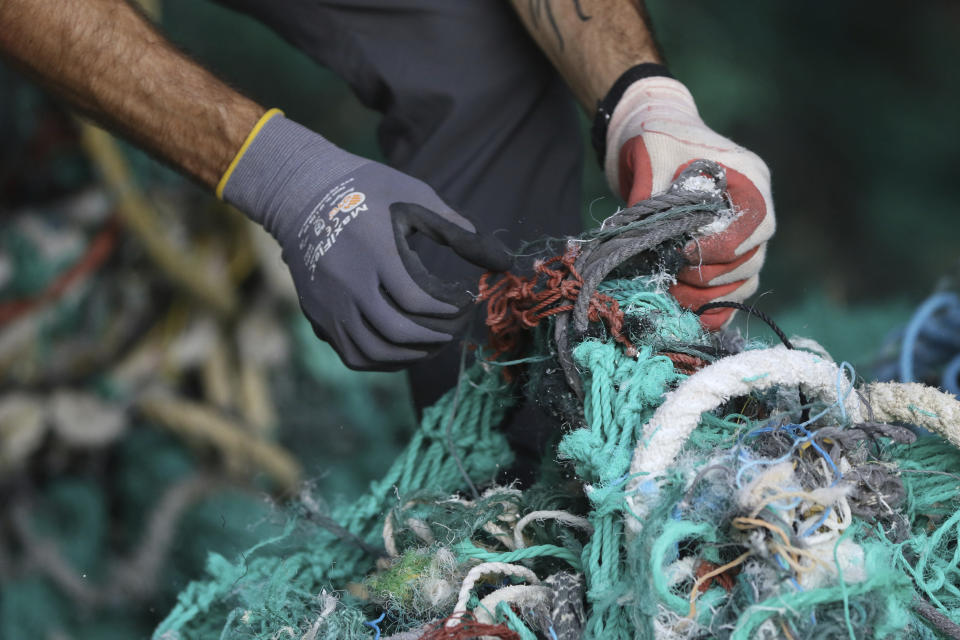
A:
[605,107]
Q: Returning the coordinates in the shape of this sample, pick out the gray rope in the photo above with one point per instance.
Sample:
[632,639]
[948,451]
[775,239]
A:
[672,215]
[937,619]
[618,250]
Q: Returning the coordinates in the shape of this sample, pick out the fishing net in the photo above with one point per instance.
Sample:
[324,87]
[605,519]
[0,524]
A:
[702,485]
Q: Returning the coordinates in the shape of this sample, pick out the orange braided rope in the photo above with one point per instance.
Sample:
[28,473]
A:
[516,304]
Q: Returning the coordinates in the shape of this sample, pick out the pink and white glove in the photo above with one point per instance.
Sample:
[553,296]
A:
[653,133]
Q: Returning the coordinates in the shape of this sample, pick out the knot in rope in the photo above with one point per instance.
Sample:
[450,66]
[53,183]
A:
[516,303]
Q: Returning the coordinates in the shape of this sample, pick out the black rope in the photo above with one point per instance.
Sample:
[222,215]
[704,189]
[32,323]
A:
[752,311]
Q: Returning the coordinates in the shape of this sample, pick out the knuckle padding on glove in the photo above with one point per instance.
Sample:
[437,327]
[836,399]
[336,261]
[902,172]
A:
[706,274]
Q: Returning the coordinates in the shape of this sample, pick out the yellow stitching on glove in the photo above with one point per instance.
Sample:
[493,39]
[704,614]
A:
[243,149]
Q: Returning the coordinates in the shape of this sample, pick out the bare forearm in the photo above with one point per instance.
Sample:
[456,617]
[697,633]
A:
[109,63]
[591,42]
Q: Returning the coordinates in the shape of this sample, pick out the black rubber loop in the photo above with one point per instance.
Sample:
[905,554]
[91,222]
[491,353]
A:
[605,107]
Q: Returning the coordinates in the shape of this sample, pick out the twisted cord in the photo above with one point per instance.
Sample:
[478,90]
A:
[565,287]
[937,620]
[671,215]
[725,304]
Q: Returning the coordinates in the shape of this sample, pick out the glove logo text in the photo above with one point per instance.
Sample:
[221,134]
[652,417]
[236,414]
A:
[320,230]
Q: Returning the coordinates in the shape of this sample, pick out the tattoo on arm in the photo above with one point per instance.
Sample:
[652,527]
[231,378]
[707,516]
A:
[541,8]
[590,43]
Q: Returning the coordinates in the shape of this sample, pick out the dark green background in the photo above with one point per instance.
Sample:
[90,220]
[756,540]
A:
[853,105]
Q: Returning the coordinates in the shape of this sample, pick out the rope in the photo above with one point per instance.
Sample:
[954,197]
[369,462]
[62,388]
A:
[670,427]
[180,266]
[752,310]
[565,287]
[920,322]
[240,449]
[916,404]
[560,516]
[97,252]
[468,550]
[524,596]
[484,570]
[516,304]
[811,530]
[662,218]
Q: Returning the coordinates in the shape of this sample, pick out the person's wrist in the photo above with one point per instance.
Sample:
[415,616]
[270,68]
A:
[231,126]
[607,106]
[666,100]
[240,150]
[281,168]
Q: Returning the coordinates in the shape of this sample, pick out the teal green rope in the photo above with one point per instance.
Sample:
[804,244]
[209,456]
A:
[621,394]
[884,585]
[512,620]
[283,586]
[664,547]
[467,549]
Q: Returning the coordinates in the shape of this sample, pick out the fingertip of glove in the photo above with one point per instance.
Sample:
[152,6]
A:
[492,254]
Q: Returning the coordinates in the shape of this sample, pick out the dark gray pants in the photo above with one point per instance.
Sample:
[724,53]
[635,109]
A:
[470,106]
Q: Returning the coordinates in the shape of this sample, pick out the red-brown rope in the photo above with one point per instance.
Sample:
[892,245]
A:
[468,629]
[686,363]
[516,304]
[725,579]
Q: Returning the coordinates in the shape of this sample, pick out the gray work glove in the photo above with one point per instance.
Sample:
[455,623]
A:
[343,223]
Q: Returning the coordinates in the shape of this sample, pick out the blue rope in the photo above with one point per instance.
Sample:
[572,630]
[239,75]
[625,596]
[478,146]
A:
[919,322]
[951,376]
[375,625]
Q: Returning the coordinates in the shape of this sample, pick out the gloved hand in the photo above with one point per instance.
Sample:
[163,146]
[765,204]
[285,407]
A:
[654,132]
[343,223]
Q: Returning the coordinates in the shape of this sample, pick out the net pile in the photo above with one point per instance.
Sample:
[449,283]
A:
[702,487]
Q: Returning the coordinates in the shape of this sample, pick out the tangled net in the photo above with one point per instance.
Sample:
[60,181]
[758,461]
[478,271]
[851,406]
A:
[702,488]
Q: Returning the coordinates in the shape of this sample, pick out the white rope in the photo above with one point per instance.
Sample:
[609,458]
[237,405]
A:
[525,596]
[389,542]
[560,516]
[917,404]
[486,569]
[422,530]
[671,425]
[329,602]
[509,515]
[667,431]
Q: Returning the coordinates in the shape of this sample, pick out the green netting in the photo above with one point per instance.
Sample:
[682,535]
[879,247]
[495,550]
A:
[895,544]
